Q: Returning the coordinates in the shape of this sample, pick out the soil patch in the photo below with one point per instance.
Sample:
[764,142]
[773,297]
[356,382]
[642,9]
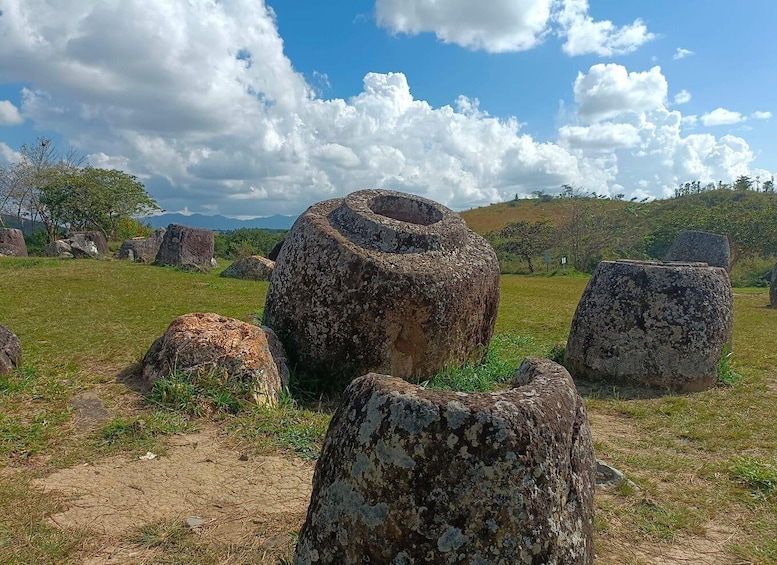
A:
[198,476]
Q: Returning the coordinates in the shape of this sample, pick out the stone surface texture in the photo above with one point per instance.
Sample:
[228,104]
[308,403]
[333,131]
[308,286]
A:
[658,324]
[79,246]
[187,248]
[12,243]
[254,268]
[10,351]
[409,475]
[142,249]
[773,288]
[383,281]
[199,343]
[701,246]
[276,250]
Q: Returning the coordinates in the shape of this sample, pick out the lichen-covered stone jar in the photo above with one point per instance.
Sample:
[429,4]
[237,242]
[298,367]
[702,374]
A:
[658,324]
[701,246]
[409,475]
[382,281]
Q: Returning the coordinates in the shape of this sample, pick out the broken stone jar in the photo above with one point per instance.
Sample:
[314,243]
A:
[410,475]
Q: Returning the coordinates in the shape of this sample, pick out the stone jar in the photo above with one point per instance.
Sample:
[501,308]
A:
[10,351]
[658,324]
[701,246]
[382,281]
[773,288]
[142,249]
[190,249]
[12,243]
[409,475]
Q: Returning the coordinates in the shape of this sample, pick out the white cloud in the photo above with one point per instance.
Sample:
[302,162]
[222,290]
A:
[690,120]
[9,114]
[496,26]
[499,26]
[583,35]
[211,115]
[7,155]
[682,53]
[722,117]
[761,115]
[609,90]
[682,97]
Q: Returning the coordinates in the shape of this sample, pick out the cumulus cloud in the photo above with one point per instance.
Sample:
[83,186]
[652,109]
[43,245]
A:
[583,35]
[212,116]
[722,117]
[9,114]
[500,26]
[761,115]
[609,90]
[682,97]
[497,26]
[682,53]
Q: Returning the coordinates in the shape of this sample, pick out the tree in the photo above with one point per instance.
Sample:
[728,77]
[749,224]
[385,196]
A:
[53,187]
[524,239]
[769,185]
[96,199]
[743,182]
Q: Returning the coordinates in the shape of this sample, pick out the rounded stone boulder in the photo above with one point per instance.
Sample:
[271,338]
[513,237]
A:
[202,344]
[10,351]
[383,281]
[12,243]
[254,268]
[410,475]
[142,249]
[700,246]
[657,324]
[773,288]
[190,249]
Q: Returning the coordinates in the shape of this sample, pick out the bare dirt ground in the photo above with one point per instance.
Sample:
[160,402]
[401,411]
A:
[224,494]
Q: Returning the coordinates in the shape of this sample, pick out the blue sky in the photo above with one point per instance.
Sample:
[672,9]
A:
[248,109]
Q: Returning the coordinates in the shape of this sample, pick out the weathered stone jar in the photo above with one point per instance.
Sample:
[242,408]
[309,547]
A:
[659,324]
[701,246]
[383,281]
[412,476]
[190,249]
[12,243]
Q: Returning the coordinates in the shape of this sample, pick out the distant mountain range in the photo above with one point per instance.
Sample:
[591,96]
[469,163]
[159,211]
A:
[220,223]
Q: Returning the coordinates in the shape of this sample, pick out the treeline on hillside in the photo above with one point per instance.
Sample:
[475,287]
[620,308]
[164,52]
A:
[245,242]
[591,232]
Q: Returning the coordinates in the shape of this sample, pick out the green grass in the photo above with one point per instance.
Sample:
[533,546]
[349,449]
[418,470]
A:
[699,459]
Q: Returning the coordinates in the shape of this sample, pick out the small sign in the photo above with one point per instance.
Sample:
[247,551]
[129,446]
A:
[563,260]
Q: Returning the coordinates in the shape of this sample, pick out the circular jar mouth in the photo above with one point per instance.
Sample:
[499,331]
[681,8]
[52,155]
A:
[408,210]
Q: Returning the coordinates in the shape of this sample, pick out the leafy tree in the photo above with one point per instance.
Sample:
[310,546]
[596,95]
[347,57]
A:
[245,242]
[743,182]
[96,199]
[523,239]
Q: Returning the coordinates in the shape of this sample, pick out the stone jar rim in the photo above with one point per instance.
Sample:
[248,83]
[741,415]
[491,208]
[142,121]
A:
[397,222]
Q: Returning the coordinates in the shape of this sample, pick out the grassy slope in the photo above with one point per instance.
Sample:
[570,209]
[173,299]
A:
[83,322]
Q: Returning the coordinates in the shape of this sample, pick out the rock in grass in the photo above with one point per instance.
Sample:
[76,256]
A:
[773,288]
[383,281]
[254,268]
[142,249]
[190,249]
[700,246]
[658,324]
[409,475]
[200,345]
[12,243]
[10,351]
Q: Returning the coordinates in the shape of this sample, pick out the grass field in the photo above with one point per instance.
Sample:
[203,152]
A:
[703,467]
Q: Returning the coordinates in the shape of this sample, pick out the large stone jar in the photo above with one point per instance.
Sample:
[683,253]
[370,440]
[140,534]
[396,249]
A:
[659,324]
[409,475]
[383,281]
[701,246]
[190,249]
